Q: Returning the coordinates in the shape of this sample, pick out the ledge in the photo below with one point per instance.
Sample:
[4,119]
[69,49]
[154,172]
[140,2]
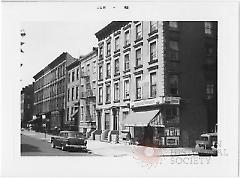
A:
[117,33]
[127,26]
[126,46]
[108,102]
[116,101]
[153,37]
[138,72]
[116,74]
[126,99]
[153,61]
[127,76]
[153,67]
[109,55]
[116,51]
[138,67]
[126,50]
[153,32]
[139,39]
[138,44]
[116,55]
[126,71]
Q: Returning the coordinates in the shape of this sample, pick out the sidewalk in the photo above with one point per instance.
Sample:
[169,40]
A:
[121,149]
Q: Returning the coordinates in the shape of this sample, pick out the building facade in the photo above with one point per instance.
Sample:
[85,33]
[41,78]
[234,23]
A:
[72,98]
[88,90]
[49,94]
[26,105]
[157,81]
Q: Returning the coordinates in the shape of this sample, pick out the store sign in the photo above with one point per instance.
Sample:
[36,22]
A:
[148,102]
[172,100]
[172,141]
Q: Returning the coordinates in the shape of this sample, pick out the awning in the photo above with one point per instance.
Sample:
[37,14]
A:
[140,119]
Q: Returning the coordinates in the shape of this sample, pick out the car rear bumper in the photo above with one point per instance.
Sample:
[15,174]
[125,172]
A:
[202,151]
[76,146]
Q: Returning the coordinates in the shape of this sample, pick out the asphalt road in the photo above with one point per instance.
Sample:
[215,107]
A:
[31,146]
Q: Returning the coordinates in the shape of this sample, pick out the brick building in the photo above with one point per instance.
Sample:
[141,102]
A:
[88,88]
[157,80]
[26,105]
[49,93]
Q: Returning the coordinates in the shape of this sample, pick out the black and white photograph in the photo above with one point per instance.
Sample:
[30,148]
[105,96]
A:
[106,89]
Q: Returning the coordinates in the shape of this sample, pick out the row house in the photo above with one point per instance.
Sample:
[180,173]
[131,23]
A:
[88,90]
[49,93]
[72,98]
[156,81]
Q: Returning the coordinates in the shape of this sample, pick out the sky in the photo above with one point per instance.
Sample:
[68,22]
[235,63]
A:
[46,40]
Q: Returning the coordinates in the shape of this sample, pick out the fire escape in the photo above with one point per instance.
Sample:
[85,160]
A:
[89,97]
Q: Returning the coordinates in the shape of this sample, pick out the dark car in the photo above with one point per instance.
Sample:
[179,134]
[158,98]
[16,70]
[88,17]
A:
[207,144]
[69,140]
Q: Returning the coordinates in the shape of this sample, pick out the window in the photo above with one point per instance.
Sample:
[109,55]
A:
[153,85]
[77,73]
[68,94]
[100,94]
[108,74]
[72,94]
[73,76]
[126,89]
[69,77]
[82,112]
[107,121]
[173,84]
[138,31]
[208,28]
[126,62]
[101,52]
[153,51]
[138,57]
[172,115]
[108,93]
[67,114]
[117,43]
[108,48]
[173,24]
[127,38]
[77,90]
[153,26]
[116,91]
[138,88]
[116,66]
[210,90]
[100,74]
[94,66]
[88,69]
[173,50]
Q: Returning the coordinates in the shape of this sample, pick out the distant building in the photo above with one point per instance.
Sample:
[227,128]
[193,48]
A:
[88,91]
[49,93]
[26,105]
[157,81]
[72,96]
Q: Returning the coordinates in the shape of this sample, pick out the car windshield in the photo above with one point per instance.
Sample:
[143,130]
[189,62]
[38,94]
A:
[204,138]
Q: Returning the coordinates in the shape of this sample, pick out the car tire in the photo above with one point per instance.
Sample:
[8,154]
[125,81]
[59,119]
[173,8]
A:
[63,148]
[53,145]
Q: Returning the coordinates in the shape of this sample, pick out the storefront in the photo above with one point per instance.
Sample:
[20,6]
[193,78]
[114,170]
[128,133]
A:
[155,122]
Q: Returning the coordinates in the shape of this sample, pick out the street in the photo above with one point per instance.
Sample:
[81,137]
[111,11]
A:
[31,146]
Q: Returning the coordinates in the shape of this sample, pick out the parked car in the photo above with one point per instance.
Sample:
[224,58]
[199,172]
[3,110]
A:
[207,144]
[69,139]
